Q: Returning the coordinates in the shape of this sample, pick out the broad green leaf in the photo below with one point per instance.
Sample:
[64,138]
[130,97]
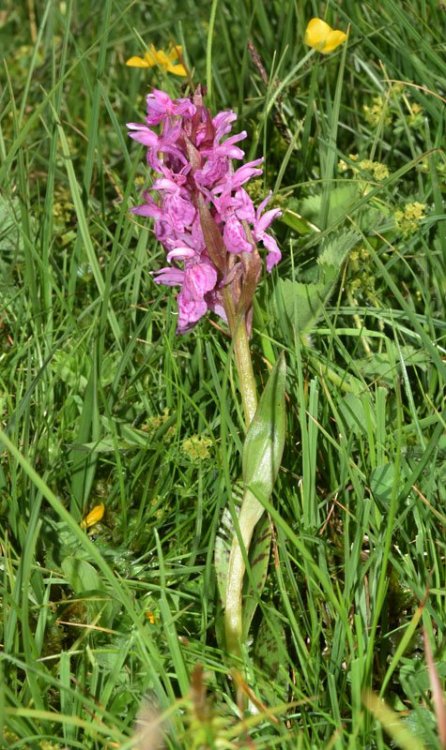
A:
[418,674]
[334,252]
[263,447]
[384,366]
[85,582]
[81,575]
[345,201]
[382,482]
[418,721]
[394,724]
[358,412]
[299,305]
[342,201]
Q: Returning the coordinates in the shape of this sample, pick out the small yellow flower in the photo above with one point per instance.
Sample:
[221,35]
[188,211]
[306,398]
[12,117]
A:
[164,60]
[320,36]
[408,219]
[380,171]
[197,448]
[93,517]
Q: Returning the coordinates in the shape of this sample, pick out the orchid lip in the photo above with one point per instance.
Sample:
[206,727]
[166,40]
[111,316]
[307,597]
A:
[180,252]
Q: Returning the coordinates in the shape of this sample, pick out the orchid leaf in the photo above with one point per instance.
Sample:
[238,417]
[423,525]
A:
[263,447]
[259,554]
[262,454]
[222,551]
[223,543]
[297,222]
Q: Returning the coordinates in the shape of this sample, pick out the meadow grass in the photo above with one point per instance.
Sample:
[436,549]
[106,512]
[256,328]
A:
[101,401]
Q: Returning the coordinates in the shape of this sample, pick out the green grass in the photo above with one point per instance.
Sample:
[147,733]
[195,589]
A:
[98,395]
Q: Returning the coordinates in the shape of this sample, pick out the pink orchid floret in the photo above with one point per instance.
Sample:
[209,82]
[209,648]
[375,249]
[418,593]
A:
[193,158]
[160,106]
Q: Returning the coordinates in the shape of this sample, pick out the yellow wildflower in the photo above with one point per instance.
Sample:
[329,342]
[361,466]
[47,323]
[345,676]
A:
[410,217]
[153,423]
[380,171]
[377,113]
[197,448]
[366,164]
[93,517]
[164,60]
[320,36]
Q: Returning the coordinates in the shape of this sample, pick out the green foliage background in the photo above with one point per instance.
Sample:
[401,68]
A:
[101,402]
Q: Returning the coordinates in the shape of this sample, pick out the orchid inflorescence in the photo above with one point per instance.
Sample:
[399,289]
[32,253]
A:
[204,217]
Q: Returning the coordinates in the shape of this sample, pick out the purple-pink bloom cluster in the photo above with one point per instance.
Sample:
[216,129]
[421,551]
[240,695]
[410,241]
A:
[197,185]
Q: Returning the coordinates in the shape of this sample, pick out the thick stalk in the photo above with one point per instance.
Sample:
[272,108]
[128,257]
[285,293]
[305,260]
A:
[251,510]
[242,356]
[243,363]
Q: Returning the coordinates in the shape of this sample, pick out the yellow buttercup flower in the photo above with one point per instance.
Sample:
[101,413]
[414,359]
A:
[93,517]
[320,36]
[164,60]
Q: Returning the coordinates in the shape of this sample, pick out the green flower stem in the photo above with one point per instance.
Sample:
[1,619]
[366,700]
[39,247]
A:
[242,355]
[251,511]
[243,363]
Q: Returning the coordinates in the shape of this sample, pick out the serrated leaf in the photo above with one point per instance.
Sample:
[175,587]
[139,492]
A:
[310,207]
[300,305]
[259,554]
[335,250]
[342,200]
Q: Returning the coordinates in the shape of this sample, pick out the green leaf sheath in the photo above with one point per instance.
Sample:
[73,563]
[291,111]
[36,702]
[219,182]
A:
[262,454]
